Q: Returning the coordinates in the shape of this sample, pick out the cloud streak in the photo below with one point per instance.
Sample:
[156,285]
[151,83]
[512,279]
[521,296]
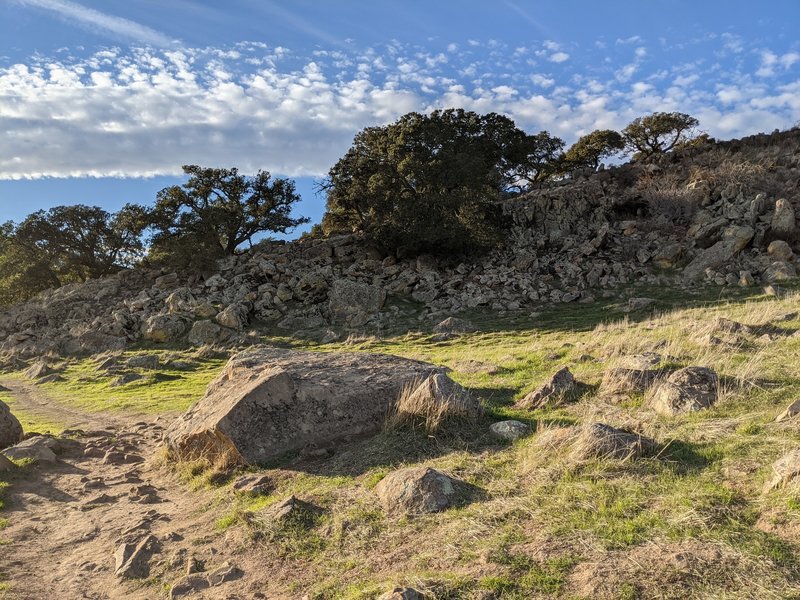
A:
[101,22]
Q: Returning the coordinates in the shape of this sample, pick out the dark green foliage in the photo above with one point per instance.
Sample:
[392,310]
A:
[540,159]
[63,245]
[217,210]
[429,183]
[659,132]
[590,149]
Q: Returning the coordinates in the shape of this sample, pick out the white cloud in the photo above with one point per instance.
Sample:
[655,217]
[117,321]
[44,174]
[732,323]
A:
[559,57]
[141,112]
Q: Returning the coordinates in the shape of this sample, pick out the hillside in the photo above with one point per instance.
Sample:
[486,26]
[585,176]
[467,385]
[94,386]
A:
[630,478]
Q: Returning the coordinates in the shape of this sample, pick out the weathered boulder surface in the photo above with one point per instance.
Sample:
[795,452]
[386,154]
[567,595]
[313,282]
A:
[10,428]
[785,469]
[36,448]
[554,390]
[268,401]
[510,430]
[687,390]
[416,490]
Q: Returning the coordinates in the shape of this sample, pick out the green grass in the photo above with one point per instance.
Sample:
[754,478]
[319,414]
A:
[166,390]
[31,421]
[539,516]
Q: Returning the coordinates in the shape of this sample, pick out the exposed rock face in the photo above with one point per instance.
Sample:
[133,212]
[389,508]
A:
[269,401]
[783,220]
[734,240]
[416,490]
[567,240]
[234,317]
[163,328]
[557,388]
[687,390]
[348,298]
[10,428]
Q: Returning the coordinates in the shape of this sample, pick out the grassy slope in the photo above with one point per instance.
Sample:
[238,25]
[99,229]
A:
[692,522]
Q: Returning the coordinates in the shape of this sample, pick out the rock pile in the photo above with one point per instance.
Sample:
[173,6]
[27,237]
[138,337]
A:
[713,212]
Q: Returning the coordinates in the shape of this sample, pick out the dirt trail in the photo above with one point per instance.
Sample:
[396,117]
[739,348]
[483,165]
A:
[36,402]
[108,487]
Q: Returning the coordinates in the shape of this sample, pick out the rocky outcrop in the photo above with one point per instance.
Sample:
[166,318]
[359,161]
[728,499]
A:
[677,219]
[268,402]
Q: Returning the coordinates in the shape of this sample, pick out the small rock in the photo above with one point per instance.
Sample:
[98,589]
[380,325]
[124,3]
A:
[143,361]
[785,469]
[133,560]
[455,325]
[687,390]
[10,428]
[188,585]
[290,509]
[223,573]
[780,251]
[416,490]
[254,484]
[510,430]
[555,390]
[792,410]
[401,593]
[37,370]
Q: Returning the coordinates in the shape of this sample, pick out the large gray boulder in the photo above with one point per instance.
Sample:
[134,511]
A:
[10,428]
[163,328]
[267,402]
[733,241]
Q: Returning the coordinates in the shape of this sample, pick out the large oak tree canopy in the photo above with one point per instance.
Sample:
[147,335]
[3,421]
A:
[223,208]
[430,183]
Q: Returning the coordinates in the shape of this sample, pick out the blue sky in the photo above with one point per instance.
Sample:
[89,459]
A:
[102,102]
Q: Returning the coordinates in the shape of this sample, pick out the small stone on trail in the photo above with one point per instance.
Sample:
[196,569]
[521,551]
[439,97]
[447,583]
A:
[133,560]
